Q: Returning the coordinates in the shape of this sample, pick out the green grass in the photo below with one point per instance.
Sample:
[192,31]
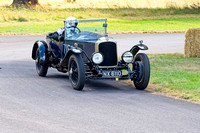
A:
[43,20]
[176,75]
[115,25]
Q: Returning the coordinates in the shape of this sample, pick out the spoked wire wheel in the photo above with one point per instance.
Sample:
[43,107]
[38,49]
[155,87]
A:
[41,67]
[76,72]
[73,72]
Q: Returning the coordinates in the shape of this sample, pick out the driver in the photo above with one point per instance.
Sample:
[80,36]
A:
[71,26]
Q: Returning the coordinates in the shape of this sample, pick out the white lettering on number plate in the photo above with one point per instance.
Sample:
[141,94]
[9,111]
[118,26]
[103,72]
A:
[112,73]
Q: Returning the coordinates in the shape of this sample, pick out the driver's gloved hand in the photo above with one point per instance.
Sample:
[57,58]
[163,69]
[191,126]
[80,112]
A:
[61,38]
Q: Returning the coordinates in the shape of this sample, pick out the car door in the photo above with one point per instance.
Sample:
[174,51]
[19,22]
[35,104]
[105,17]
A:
[55,47]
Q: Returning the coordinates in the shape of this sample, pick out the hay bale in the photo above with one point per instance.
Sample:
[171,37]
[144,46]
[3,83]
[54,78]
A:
[192,43]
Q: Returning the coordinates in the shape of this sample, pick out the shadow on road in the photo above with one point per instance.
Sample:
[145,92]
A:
[100,86]
[26,69]
[57,76]
[110,86]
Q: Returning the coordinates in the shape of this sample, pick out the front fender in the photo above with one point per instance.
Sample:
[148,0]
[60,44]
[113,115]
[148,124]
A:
[42,49]
[138,47]
[70,50]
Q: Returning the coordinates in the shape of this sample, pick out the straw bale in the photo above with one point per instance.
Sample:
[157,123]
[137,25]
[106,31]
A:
[192,43]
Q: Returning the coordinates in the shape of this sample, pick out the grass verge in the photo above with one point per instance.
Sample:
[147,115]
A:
[128,20]
[175,75]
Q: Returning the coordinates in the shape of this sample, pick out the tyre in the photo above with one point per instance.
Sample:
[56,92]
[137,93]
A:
[76,71]
[41,67]
[142,67]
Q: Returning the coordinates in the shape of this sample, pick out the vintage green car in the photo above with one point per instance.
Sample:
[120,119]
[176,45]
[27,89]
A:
[87,55]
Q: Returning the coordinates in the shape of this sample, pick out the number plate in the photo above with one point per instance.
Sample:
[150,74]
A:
[115,73]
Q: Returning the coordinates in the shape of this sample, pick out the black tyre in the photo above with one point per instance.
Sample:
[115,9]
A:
[41,67]
[142,66]
[76,72]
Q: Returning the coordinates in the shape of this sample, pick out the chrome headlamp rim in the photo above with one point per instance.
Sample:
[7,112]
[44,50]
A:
[97,53]
[126,61]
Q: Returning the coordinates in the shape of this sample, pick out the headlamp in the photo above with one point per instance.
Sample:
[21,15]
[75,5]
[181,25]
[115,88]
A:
[97,58]
[127,57]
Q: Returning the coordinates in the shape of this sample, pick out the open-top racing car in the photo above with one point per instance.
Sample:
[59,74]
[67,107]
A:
[87,55]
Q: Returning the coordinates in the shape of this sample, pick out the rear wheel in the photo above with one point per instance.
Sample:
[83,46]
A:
[76,72]
[142,67]
[41,66]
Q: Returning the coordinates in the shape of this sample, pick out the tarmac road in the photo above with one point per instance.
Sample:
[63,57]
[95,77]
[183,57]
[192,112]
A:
[157,43]
[29,103]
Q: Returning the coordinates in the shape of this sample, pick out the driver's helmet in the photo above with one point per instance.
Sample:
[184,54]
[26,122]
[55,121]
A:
[71,22]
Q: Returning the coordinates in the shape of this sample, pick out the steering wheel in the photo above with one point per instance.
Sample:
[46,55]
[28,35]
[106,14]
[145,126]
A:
[77,30]
[71,31]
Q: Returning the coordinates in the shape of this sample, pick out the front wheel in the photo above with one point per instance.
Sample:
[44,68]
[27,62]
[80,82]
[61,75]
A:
[41,66]
[142,67]
[76,72]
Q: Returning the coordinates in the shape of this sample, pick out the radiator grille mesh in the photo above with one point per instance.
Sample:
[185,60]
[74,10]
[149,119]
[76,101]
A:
[109,51]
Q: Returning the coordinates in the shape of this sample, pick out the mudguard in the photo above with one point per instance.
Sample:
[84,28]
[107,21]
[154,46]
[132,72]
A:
[42,45]
[138,47]
[69,50]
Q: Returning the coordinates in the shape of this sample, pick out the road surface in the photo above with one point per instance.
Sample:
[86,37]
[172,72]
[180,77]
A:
[29,103]
[157,43]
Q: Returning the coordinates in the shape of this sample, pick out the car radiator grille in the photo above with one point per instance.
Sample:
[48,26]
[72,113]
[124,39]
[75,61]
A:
[109,51]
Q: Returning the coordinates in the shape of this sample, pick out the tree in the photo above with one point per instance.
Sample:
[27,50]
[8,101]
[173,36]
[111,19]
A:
[71,0]
[18,3]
